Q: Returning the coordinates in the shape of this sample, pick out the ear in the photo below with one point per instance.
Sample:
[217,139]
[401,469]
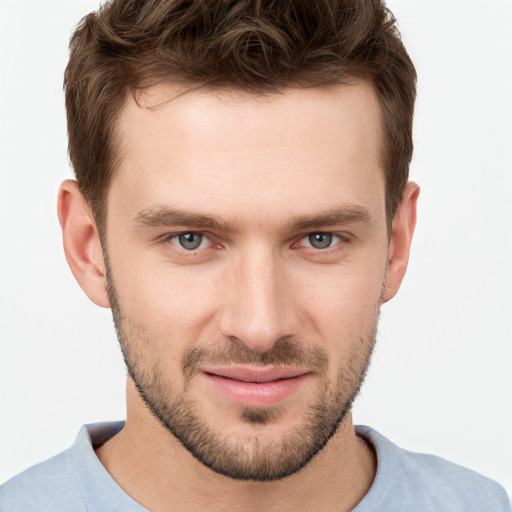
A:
[404,223]
[82,242]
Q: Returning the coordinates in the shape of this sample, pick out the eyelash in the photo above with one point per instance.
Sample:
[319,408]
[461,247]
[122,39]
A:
[343,238]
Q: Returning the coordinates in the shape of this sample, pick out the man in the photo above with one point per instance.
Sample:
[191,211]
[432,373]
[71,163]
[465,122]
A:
[242,205]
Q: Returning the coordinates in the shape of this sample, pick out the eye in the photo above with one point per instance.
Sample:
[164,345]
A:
[190,241]
[321,240]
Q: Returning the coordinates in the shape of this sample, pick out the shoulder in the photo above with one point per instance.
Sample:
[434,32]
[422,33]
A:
[73,481]
[444,482]
[47,487]
[426,482]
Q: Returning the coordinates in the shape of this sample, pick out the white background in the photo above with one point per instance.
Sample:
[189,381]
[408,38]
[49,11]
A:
[441,379]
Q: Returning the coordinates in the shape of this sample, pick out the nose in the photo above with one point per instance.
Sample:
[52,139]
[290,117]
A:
[258,310]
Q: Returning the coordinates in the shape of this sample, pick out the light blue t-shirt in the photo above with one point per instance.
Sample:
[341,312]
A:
[75,480]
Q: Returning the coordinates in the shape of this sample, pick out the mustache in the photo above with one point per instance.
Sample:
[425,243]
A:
[284,352]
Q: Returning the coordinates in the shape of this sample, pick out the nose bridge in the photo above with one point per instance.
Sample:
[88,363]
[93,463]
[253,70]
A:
[259,310]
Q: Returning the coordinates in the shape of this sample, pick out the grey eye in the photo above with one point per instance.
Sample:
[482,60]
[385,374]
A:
[320,240]
[190,241]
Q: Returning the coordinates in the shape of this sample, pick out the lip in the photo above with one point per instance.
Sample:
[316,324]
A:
[256,386]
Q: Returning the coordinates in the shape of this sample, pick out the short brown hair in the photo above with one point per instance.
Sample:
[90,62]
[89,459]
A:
[260,46]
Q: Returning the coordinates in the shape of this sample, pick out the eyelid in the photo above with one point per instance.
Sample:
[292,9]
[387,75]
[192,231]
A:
[343,238]
[170,234]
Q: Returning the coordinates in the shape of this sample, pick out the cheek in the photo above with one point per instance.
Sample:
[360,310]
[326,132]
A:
[169,303]
[342,304]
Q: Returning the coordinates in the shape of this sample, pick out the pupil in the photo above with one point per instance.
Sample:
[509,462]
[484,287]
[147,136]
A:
[320,240]
[190,240]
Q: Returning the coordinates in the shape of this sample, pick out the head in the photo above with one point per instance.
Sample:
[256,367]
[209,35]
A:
[242,206]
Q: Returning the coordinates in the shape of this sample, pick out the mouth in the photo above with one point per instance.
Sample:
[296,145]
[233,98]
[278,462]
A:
[252,386]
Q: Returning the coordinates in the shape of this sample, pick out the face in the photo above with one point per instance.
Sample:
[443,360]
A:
[247,247]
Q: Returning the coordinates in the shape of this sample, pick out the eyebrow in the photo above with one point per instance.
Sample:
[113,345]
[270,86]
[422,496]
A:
[166,216]
[345,214]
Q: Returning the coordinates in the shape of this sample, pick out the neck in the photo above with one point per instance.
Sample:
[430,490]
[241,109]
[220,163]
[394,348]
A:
[153,467]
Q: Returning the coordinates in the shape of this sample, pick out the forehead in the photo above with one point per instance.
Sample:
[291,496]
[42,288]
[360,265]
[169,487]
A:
[252,152]
[272,118]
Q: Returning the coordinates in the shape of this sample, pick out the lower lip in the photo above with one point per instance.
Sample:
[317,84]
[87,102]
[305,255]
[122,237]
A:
[256,394]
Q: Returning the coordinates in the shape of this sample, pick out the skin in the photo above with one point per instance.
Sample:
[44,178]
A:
[272,169]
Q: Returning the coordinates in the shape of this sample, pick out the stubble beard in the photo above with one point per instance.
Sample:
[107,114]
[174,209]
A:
[256,456]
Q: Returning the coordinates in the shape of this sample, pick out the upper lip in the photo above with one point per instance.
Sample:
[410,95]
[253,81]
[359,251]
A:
[255,373]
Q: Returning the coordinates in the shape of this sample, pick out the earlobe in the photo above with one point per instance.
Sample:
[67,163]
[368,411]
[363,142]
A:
[81,241]
[404,223]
